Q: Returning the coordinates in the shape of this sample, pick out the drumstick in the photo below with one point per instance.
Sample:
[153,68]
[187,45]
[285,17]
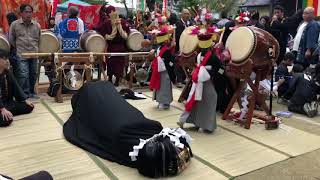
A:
[222,34]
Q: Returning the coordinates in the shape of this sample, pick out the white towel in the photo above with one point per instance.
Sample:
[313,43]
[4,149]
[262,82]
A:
[81,26]
[297,39]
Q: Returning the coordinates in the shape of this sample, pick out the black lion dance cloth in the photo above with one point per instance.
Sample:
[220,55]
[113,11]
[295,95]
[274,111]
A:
[105,124]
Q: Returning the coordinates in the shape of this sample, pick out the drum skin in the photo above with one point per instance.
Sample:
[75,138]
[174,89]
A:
[135,40]
[49,43]
[91,41]
[264,52]
[188,43]
[4,43]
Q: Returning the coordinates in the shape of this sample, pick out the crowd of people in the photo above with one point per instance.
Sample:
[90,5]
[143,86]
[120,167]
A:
[297,36]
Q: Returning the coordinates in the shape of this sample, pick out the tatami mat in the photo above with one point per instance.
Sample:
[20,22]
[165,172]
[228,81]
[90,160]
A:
[35,142]
[223,150]
[196,170]
[30,131]
[38,111]
[286,139]
[231,153]
[60,158]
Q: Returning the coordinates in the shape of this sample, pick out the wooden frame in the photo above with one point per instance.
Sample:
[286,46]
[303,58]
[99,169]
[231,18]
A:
[243,73]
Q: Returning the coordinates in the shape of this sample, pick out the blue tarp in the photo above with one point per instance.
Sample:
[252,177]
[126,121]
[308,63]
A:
[64,6]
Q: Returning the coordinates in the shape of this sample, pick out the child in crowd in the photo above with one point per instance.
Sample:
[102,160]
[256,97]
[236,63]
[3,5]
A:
[282,72]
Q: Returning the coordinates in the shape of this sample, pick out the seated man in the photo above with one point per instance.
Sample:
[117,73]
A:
[282,72]
[13,101]
[304,90]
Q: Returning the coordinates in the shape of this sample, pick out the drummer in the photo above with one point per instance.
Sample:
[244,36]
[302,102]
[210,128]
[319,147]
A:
[163,71]
[200,108]
[115,31]
[181,25]
[69,31]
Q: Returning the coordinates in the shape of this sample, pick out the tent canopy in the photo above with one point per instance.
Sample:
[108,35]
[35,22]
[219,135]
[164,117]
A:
[64,6]
[250,3]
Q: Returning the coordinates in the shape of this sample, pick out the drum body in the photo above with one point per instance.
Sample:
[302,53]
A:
[4,42]
[253,43]
[91,41]
[135,40]
[49,43]
[188,43]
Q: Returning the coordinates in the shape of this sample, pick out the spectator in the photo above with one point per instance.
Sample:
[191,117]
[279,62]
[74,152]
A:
[265,22]
[306,40]
[304,89]
[223,20]
[181,25]
[173,19]
[12,99]
[294,22]
[254,21]
[279,29]
[52,23]
[282,72]
[24,35]
[11,17]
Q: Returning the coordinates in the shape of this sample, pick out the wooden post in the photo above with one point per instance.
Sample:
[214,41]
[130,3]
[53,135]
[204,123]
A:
[59,98]
[131,73]
[233,100]
[88,72]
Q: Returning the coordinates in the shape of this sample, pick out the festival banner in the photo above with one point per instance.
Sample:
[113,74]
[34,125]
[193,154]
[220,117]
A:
[89,14]
[41,11]
[54,7]
[312,3]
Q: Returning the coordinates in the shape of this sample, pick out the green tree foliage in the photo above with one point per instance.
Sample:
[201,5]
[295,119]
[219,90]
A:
[226,6]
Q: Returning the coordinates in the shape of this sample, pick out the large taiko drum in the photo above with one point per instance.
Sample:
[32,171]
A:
[4,42]
[135,40]
[188,43]
[253,43]
[91,41]
[49,43]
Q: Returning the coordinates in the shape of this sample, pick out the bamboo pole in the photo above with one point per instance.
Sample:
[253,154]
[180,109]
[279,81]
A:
[84,54]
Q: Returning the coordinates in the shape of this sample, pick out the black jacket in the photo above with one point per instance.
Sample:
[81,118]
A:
[303,90]
[169,61]
[10,89]
[180,27]
[279,29]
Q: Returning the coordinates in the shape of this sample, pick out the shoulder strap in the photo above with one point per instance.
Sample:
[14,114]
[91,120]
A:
[206,58]
[163,50]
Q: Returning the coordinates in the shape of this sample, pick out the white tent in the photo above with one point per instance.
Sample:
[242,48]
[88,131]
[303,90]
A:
[131,4]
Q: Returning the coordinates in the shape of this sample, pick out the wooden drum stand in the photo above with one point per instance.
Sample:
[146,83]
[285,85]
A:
[243,73]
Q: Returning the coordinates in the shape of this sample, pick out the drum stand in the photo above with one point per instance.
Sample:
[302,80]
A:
[43,62]
[243,73]
[134,61]
[86,63]
[188,63]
